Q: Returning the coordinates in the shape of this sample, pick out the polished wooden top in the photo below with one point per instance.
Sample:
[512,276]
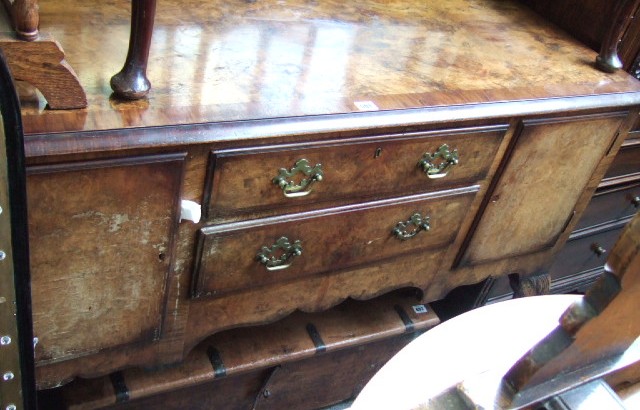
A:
[246,60]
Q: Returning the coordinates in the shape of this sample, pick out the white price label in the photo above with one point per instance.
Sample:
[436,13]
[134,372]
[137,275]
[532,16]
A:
[420,309]
[366,105]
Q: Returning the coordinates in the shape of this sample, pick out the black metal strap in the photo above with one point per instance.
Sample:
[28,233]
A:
[119,387]
[409,327]
[316,338]
[216,361]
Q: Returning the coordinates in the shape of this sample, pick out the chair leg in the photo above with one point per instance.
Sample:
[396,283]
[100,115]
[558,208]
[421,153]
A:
[530,285]
[131,82]
[25,18]
[608,59]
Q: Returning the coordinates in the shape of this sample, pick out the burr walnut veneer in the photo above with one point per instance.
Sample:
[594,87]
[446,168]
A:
[337,150]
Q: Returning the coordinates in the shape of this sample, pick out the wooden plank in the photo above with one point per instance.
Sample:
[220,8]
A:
[349,327]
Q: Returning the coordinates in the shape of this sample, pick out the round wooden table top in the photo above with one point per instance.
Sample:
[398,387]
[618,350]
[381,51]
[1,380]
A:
[490,338]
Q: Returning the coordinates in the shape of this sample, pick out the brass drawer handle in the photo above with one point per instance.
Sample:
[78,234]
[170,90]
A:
[438,164]
[289,187]
[279,255]
[598,250]
[419,222]
[635,201]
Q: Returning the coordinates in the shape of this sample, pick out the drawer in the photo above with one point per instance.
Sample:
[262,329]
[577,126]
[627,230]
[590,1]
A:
[248,181]
[626,162]
[575,267]
[581,254]
[239,256]
[611,205]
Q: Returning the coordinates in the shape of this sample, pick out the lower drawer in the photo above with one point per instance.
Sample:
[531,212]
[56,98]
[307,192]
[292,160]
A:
[272,251]
[611,204]
[576,266]
[585,253]
[626,163]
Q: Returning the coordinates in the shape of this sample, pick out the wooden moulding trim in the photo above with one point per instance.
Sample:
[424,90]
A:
[112,163]
[611,187]
[38,145]
[404,136]
[236,226]
[633,135]
[578,280]
[618,180]
[607,226]
[460,260]
[632,142]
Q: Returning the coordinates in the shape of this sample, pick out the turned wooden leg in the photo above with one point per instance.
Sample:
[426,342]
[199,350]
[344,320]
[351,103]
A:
[608,59]
[530,285]
[131,82]
[25,18]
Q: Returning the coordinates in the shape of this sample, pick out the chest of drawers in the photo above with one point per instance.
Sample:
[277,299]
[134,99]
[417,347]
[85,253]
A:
[451,177]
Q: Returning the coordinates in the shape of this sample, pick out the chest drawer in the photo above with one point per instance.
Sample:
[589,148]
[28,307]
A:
[585,253]
[285,177]
[611,205]
[264,252]
[626,162]
[576,266]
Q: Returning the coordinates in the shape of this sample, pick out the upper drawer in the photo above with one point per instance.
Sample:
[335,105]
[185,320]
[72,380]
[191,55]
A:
[611,205]
[255,180]
[627,161]
[268,251]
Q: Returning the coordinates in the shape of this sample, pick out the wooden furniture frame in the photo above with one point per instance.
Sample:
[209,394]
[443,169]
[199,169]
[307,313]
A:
[38,58]
[617,198]
[331,155]
[17,388]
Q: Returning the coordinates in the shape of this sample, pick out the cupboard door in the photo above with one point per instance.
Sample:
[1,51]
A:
[101,234]
[541,181]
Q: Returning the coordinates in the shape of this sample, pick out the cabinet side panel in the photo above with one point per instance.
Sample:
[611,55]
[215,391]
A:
[101,234]
[549,168]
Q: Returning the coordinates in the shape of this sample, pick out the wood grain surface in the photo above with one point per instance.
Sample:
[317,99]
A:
[101,238]
[42,64]
[25,17]
[241,181]
[348,329]
[246,60]
[241,89]
[362,235]
[537,204]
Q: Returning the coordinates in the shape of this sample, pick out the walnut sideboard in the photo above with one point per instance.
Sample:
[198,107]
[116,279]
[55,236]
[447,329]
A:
[336,151]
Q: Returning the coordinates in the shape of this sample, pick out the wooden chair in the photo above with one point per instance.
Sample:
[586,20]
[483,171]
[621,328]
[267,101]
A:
[38,59]
[17,385]
[467,362]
